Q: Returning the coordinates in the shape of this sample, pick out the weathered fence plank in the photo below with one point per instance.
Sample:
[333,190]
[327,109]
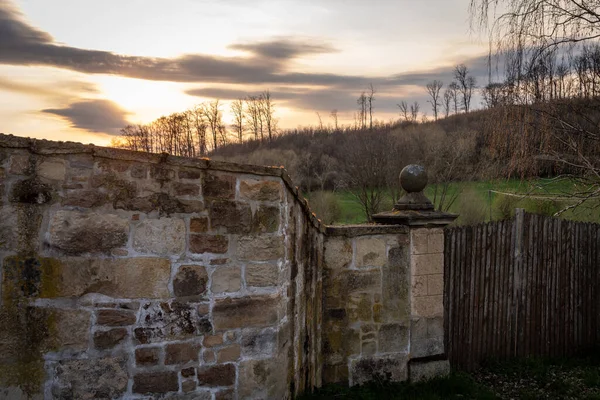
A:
[521,287]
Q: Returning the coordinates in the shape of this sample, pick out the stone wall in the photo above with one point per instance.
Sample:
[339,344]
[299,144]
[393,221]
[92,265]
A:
[367,303]
[128,275]
[383,304]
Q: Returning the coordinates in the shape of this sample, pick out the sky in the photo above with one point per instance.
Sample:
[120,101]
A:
[81,70]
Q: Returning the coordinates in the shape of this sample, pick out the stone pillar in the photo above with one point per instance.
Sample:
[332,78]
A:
[427,356]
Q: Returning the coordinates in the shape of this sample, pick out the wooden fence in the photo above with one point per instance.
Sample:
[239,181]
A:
[521,287]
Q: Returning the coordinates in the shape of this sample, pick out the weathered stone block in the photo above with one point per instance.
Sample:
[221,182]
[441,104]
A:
[419,285]
[435,284]
[230,217]
[425,370]
[189,173]
[212,340]
[227,394]
[266,220]
[115,317]
[217,244]
[165,236]
[229,353]
[188,372]
[52,169]
[245,312]
[419,241]
[31,191]
[368,348]
[393,338]
[436,241]
[427,306]
[8,228]
[262,379]
[360,307]
[259,344]
[338,253]
[378,369]
[363,281]
[147,356]
[139,171]
[181,353]
[262,275]
[435,327]
[103,378]
[260,248]
[71,329]
[226,279]
[427,264]
[426,347]
[20,165]
[199,225]
[186,189]
[162,173]
[74,232]
[396,288]
[216,375]
[86,198]
[108,339]
[188,386]
[218,186]
[170,321]
[260,190]
[209,357]
[370,252]
[156,382]
[120,278]
[190,280]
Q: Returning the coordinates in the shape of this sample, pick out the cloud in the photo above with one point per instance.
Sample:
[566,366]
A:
[93,115]
[58,90]
[265,64]
[284,48]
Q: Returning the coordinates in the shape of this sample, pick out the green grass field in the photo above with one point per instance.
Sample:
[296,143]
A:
[480,201]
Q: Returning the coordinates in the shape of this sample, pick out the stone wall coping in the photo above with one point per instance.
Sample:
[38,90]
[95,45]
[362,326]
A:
[364,230]
[57,148]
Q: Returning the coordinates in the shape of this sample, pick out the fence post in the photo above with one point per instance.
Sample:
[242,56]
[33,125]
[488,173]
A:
[518,278]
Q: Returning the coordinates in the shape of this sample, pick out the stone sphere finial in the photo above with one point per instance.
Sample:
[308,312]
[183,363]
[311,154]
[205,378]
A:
[413,178]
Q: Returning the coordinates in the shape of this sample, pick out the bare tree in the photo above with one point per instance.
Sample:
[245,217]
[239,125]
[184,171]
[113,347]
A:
[320,120]
[362,110]
[253,116]
[334,115]
[237,110]
[414,111]
[454,88]
[370,99]
[446,102]
[466,85]
[529,31]
[267,110]
[537,25]
[433,89]
[214,118]
[404,110]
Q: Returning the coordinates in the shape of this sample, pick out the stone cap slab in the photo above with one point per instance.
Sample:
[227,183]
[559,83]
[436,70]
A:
[421,218]
[364,230]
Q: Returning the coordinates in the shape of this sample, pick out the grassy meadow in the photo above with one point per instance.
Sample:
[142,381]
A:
[474,201]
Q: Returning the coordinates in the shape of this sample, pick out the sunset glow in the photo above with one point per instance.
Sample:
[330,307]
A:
[73,70]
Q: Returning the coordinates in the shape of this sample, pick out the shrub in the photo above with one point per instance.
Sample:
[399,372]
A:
[543,207]
[505,205]
[326,206]
[471,209]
